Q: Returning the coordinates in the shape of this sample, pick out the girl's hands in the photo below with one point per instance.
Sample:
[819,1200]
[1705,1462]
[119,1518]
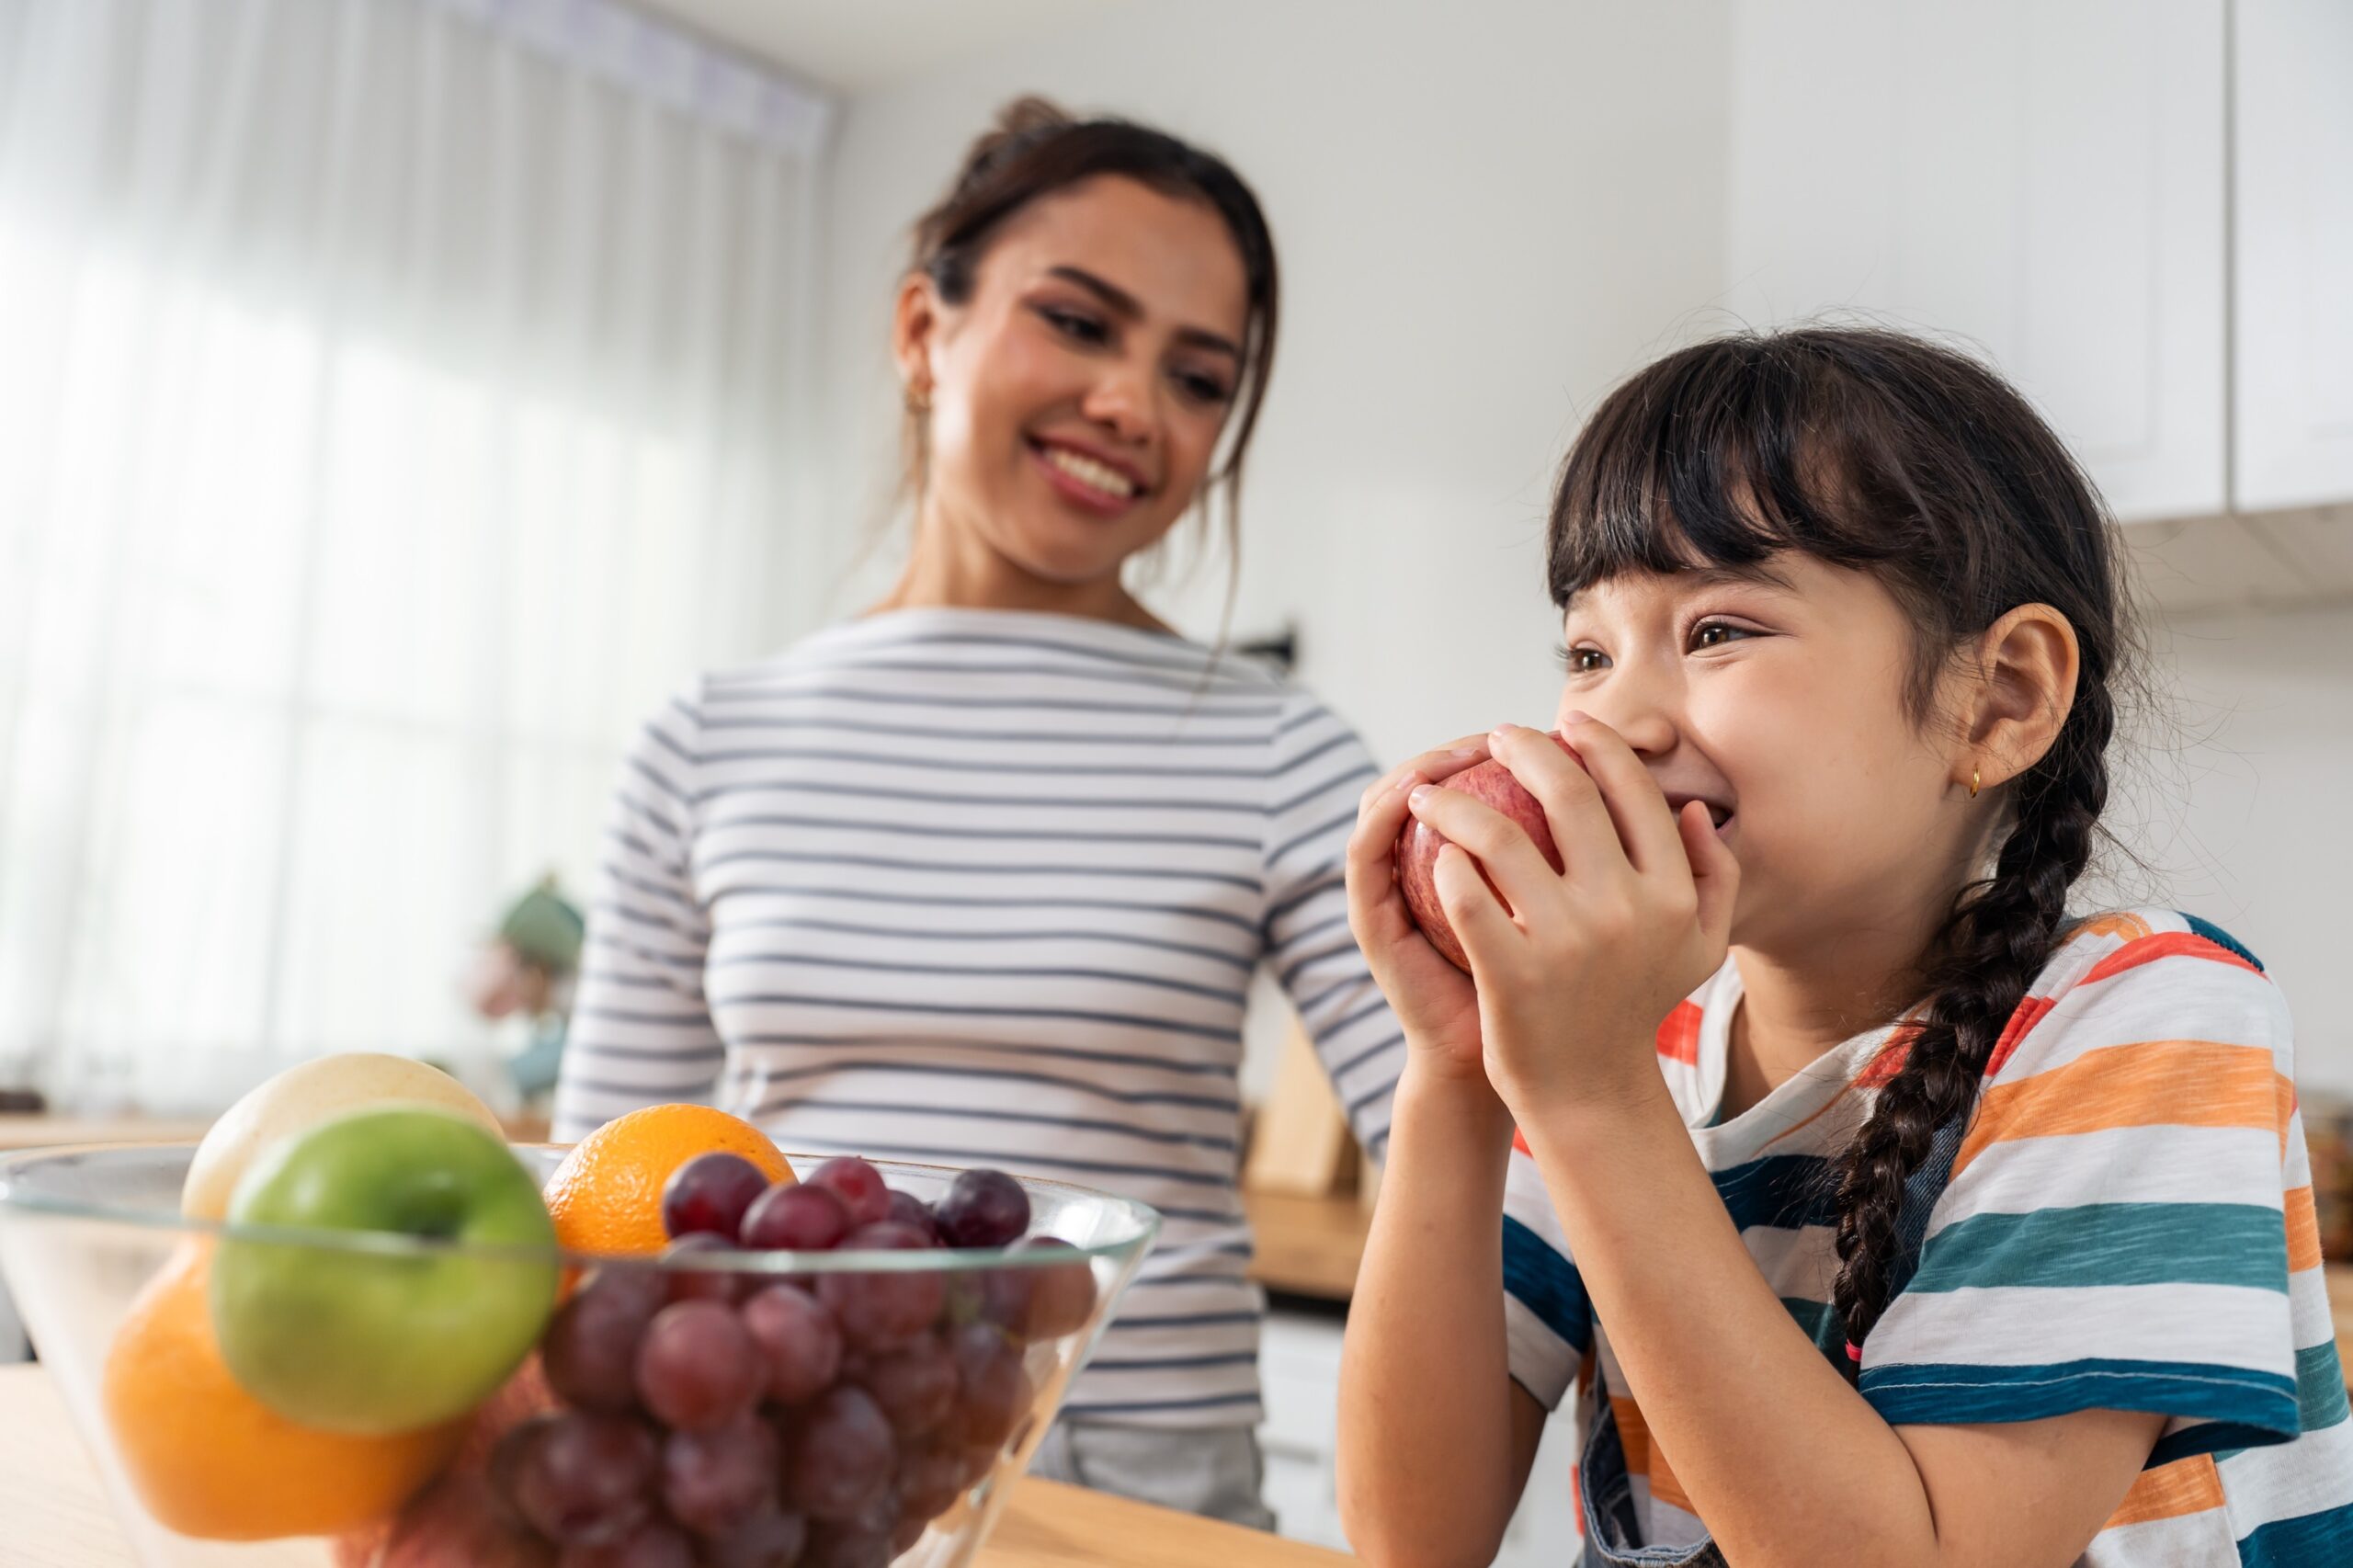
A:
[1575,969]
[1433,1000]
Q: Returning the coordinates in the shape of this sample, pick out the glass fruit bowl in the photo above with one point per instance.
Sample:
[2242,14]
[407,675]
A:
[896,1394]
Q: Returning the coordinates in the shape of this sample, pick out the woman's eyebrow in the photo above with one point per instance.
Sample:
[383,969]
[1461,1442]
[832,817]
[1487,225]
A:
[1124,304]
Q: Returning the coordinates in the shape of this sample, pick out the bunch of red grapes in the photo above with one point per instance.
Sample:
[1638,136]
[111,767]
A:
[818,1420]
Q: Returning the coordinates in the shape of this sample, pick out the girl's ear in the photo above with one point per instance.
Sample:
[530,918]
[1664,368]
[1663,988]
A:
[2027,662]
[915,327]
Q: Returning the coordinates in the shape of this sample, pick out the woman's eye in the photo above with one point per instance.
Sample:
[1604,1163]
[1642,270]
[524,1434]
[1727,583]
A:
[1072,326]
[1202,388]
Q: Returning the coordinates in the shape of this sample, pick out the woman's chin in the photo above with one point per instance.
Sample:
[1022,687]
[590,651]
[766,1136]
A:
[1067,556]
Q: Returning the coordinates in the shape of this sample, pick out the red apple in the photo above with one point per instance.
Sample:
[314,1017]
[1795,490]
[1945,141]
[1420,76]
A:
[1417,847]
[459,1518]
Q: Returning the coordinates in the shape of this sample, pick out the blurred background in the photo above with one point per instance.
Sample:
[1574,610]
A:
[398,398]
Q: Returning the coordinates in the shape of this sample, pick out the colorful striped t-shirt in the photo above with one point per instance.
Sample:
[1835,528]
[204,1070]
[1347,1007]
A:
[2129,1225]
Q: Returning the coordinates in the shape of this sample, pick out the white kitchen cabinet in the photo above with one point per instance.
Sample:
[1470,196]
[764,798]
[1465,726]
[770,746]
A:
[2041,178]
[2293,252]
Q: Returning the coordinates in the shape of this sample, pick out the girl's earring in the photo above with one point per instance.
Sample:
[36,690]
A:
[919,398]
[1975,778]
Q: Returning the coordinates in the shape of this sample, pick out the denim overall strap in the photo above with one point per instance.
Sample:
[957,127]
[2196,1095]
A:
[1613,1532]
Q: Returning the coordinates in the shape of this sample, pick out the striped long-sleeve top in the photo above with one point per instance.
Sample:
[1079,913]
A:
[983,887]
[2128,1224]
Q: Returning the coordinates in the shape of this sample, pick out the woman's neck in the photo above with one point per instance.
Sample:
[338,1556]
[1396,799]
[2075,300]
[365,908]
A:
[955,568]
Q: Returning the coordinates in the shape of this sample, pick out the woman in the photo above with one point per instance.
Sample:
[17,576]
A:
[981,876]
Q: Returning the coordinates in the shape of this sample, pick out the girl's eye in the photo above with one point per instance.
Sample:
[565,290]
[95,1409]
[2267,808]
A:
[1582,660]
[1716,634]
[1073,326]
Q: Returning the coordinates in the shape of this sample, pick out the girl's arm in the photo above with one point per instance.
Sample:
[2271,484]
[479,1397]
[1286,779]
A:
[1436,1440]
[1784,1462]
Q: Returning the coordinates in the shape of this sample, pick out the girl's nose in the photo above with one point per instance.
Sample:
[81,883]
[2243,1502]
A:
[1652,732]
[1644,717]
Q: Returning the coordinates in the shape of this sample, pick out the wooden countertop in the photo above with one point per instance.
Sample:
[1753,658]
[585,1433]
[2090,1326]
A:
[20,1131]
[58,1517]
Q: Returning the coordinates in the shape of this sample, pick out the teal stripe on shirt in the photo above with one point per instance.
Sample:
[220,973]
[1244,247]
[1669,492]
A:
[2324,1537]
[2111,1244]
[1943,1393]
[2320,1386]
[1547,1284]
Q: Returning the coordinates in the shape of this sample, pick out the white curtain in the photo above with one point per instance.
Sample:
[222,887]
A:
[398,398]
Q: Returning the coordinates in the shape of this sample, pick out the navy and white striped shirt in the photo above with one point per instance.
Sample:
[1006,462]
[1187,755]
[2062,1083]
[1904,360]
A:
[977,887]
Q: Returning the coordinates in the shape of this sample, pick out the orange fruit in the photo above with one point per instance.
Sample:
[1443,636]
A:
[211,1461]
[607,1196]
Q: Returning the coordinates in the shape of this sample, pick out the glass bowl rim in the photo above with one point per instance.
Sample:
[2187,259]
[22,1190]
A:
[1143,1220]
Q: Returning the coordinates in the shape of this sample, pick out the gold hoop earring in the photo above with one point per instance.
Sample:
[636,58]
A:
[1974,779]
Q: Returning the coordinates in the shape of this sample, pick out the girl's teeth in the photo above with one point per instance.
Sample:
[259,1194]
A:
[1087,472]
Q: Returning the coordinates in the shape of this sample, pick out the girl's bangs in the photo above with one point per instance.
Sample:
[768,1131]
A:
[1704,460]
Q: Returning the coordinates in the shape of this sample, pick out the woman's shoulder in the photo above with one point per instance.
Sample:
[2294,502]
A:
[1011,643]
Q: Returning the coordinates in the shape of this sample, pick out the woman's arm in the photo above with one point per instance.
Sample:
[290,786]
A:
[1318,771]
[641,1031]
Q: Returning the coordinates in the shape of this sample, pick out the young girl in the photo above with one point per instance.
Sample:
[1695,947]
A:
[1885,1212]
[981,876]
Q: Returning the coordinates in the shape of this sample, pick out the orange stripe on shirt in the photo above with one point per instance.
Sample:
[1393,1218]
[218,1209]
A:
[2166,1083]
[1642,1457]
[2028,1013]
[2172,944]
[2131,927]
[2186,1486]
[1678,1036]
[1633,1433]
[2303,1229]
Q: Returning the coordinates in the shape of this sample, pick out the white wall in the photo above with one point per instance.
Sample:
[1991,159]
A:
[2238,797]
[1485,214]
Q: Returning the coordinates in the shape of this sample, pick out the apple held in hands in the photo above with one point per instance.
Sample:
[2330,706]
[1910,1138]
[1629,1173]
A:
[352,1339]
[1417,847]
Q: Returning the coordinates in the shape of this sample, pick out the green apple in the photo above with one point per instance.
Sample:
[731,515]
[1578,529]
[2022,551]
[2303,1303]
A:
[412,1325]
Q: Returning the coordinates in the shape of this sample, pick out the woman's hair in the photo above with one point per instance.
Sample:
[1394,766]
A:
[1034,149]
[1882,453]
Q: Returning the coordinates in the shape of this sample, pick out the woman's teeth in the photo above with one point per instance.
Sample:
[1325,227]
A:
[1093,474]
